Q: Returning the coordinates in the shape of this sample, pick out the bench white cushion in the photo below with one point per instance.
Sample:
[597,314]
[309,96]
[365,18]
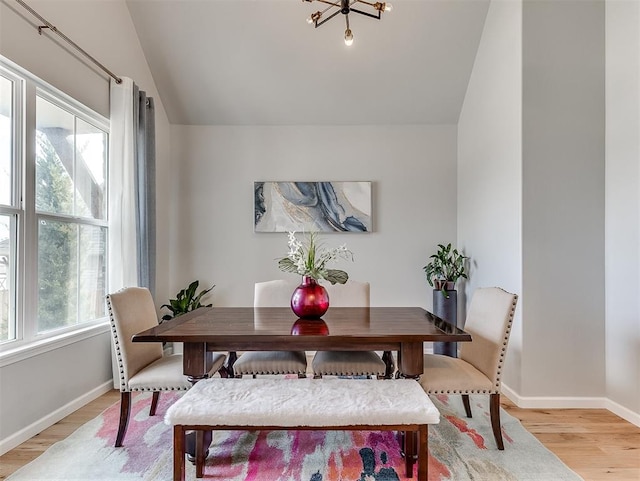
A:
[303,402]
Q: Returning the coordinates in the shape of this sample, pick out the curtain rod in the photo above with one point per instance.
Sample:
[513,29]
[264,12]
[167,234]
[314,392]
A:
[67,39]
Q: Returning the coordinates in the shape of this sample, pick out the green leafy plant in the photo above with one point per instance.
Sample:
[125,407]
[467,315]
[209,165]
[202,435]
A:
[186,300]
[311,258]
[446,265]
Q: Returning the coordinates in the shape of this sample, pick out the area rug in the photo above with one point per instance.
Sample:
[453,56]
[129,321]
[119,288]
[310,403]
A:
[460,449]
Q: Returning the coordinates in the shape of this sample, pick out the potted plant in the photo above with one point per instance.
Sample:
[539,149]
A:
[444,269]
[186,300]
[447,265]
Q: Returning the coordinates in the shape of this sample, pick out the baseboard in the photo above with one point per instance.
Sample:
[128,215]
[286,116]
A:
[570,402]
[50,419]
[623,412]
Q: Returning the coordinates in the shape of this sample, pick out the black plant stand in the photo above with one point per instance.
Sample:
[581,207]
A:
[446,308]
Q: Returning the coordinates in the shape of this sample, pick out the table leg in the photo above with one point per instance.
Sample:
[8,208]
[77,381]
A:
[197,363]
[410,360]
[190,445]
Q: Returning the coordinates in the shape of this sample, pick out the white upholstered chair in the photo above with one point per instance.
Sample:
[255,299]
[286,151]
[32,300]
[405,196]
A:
[478,370]
[348,363]
[276,293]
[141,365]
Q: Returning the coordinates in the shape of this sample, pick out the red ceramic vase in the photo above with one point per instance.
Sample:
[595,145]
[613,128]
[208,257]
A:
[309,300]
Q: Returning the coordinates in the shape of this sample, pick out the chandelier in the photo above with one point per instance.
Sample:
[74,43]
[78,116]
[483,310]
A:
[345,7]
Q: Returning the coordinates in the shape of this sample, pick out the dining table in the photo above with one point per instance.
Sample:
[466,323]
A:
[403,330]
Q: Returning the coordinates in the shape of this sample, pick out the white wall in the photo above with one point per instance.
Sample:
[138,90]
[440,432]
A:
[413,170]
[490,166]
[563,199]
[623,204]
[104,29]
[38,391]
[531,147]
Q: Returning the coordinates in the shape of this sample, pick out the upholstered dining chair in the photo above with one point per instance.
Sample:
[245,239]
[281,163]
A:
[478,370]
[348,363]
[276,293]
[141,365]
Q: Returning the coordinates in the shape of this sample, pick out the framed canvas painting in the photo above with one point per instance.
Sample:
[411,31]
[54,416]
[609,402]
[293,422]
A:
[312,206]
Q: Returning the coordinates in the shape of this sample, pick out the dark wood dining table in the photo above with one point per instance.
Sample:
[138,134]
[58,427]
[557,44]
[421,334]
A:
[231,329]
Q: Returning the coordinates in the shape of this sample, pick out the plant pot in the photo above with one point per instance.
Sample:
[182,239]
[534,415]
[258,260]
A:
[446,308]
[448,285]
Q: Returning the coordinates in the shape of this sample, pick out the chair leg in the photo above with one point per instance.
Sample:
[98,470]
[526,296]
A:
[388,362]
[467,405]
[494,410]
[231,360]
[154,403]
[125,409]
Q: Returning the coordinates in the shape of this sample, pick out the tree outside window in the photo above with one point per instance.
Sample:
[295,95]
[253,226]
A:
[70,191]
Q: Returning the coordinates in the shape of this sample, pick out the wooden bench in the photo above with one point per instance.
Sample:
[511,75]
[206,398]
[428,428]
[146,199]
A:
[302,404]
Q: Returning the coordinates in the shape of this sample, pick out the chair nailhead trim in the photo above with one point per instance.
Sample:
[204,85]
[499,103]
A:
[116,343]
[143,389]
[505,341]
[465,391]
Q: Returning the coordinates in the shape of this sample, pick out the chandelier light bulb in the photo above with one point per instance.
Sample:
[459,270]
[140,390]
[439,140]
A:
[388,7]
[314,18]
[348,37]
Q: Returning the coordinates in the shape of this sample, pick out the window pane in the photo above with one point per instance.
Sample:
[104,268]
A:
[7,278]
[90,169]
[71,274]
[57,281]
[93,272]
[6,140]
[54,159]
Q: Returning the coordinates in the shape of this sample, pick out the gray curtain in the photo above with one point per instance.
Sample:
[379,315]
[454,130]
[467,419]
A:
[144,117]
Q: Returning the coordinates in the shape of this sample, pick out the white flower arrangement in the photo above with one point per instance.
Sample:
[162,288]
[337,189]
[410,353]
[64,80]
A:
[311,259]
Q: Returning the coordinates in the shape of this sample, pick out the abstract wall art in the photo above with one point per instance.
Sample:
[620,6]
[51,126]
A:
[312,206]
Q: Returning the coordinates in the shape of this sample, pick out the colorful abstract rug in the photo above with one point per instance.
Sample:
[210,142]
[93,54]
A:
[460,449]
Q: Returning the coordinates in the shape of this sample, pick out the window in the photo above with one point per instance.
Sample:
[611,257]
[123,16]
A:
[10,93]
[53,211]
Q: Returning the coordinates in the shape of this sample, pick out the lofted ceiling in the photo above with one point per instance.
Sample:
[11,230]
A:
[258,62]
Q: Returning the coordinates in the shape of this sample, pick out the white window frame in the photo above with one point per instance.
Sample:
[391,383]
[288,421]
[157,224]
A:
[28,342]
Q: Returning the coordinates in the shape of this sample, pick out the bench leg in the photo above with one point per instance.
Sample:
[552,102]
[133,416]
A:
[200,451]
[409,452]
[423,453]
[178,453]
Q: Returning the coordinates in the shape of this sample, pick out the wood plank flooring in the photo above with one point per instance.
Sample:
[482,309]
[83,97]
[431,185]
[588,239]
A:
[595,443]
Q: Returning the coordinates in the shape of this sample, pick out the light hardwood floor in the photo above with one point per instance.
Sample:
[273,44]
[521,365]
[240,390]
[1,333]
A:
[595,443]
